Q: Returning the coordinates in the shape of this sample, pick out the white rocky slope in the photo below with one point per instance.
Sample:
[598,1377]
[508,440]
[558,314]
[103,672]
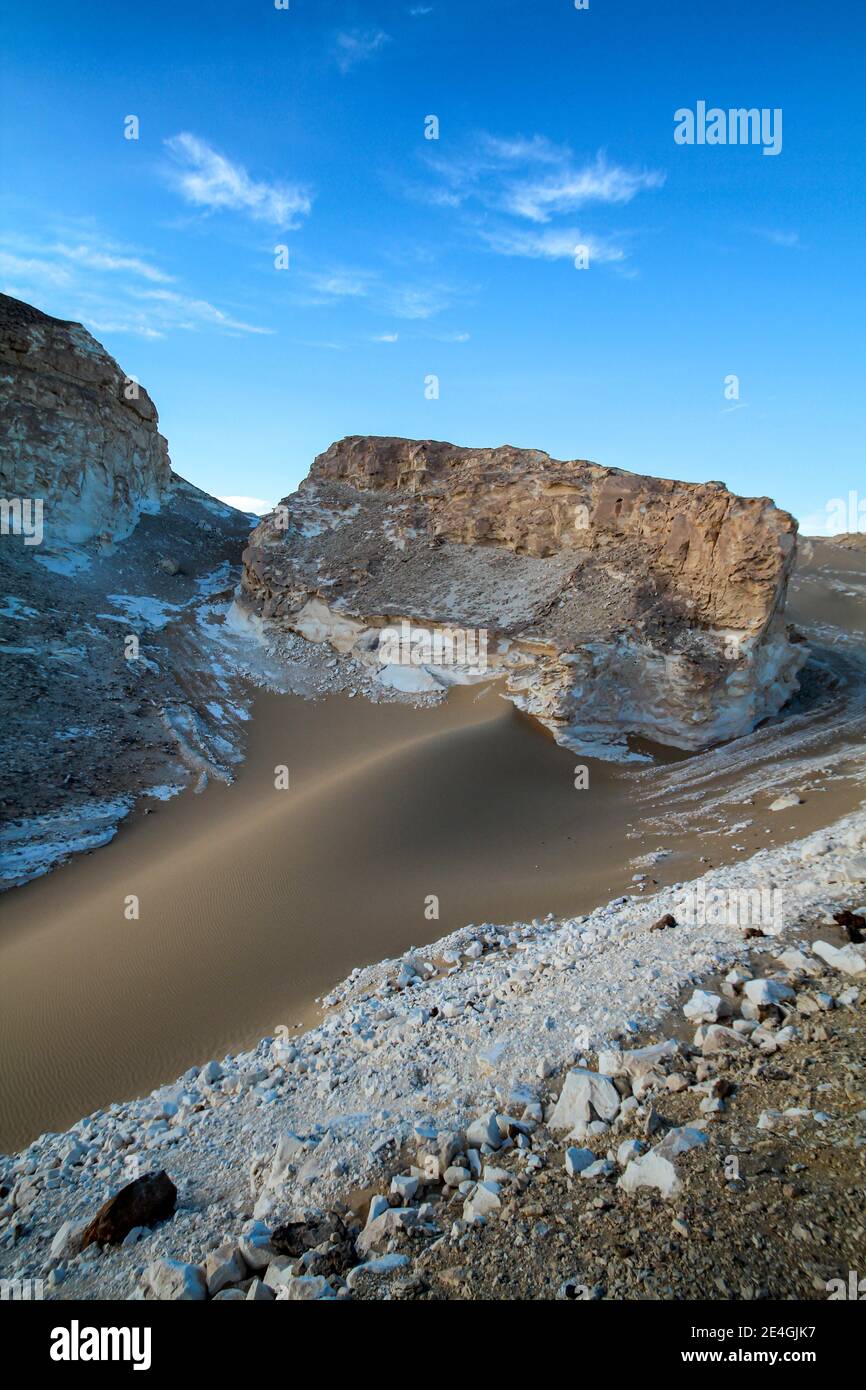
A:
[414,1049]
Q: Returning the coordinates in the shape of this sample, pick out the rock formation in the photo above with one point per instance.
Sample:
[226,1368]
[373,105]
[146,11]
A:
[75,432]
[106,631]
[611,603]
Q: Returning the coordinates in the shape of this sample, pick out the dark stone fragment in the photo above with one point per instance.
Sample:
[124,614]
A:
[145,1201]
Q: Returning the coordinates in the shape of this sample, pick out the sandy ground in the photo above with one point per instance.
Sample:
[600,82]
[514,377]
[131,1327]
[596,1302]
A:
[253,900]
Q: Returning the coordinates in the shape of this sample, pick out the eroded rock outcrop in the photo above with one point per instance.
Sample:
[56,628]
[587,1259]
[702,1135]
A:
[110,594]
[75,432]
[610,602]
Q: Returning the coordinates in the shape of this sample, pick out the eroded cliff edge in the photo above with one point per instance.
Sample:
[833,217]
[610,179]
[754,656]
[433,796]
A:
[613,603]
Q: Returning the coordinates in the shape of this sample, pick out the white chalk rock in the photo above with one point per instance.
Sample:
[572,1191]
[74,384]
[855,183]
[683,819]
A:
[577,1159]
[797,961]
[706,1008]
[602,1168]
[657,1168]
[378,1232]
[483,1199]
[629,1149]
[719,1039]
[66,1242]
[849,959]
[224,1266]
[484,1131]
[172,1279]
[764,992]
[405,1186]
[254,1245]
[637,1062]
[376,1268]
[306,1288]
[585,1095]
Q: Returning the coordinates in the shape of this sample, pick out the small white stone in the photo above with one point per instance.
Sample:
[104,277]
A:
[704,1007]
[483,1200]
[404,1186]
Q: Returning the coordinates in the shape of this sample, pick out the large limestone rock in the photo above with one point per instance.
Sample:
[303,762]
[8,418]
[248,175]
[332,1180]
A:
[75,432]
[612,603]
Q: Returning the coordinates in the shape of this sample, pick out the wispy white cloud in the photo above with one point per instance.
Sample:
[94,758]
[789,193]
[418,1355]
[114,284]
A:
[186,312]
[97,283]
[400,299]
[790,240]
[32,270]
[210,180]
[416,301]
[501,183]
[532,178]
[49,264]
[567,189]
[520,149]
[552,244]
[355,46]
[110,260]
[327,285]
[385,338]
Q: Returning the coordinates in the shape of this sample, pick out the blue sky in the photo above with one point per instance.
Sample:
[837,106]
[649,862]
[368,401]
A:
[410,258]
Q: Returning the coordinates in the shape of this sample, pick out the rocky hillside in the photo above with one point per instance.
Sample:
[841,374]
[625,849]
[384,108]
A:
[612,603]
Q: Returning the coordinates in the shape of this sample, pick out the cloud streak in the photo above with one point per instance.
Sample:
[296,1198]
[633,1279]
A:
[100,285]
[402,300]
[356,46]
[552,244]
[107,260]
[568,189]
[207,179]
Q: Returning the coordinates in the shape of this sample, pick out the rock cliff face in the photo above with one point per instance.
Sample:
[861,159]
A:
[75,432]
[611,603]
[109,610]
